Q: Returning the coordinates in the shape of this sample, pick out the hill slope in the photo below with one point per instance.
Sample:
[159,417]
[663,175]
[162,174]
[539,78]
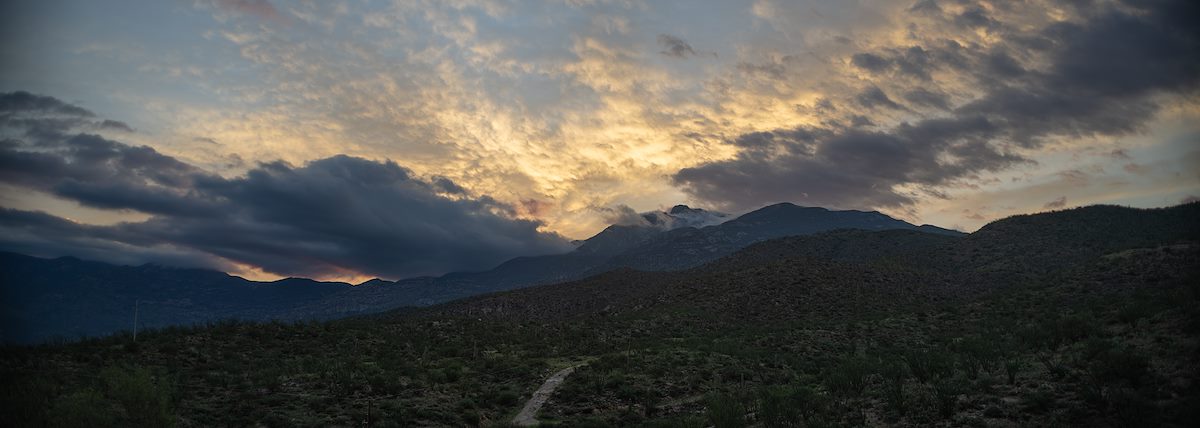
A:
[68,298]
[71,298]
[892,328]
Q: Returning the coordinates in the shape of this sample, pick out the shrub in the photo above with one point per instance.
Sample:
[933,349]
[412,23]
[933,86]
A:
[470,417]
[775,408]
[1132,409]
[508,397]
[676,422]
[976,354]
[849,378]
[83,409]
[1039,400]
[894,375]
[1131,312]
[1118,366]
[725,411]
[929,365]
[146,402]
[946,390]
[1012,366]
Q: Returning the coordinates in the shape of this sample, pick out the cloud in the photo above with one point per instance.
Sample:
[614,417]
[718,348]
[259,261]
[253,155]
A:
[678,217]
[262,9]
[1102,77]
[874,97]
[22,101]
[772,70]
[914,61]
[32,114]
[870,62]
[622,215]
[926,98]
[1057,203]
[675,47]
[335,216]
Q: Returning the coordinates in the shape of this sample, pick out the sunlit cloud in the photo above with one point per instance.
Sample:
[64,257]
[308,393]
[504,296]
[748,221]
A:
[935,111]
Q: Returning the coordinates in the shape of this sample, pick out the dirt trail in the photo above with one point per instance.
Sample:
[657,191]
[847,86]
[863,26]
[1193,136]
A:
[528,415]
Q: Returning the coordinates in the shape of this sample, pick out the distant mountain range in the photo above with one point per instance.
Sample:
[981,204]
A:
[1080,317]
[70,298]
[901,268]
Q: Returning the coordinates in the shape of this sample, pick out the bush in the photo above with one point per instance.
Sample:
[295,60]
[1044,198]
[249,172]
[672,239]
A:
[1039,400]
[508,397]
[946,392]
[894,376]
[676,422]
[1012,366]
[787,406]
[726,411]
[1123,366]
[1131,312]
[83,409]
[929,365]
[976,354]
[1049,337]
[146,403]
[1132,409]
[849,378]
[470,417]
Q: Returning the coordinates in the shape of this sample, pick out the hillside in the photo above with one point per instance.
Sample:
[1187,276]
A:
[67,298]
[1033,321]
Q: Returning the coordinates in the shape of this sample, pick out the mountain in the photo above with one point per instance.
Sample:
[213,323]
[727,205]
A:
[70,298]
[1084,317]
[1002,254]
[663,241]
[686,247]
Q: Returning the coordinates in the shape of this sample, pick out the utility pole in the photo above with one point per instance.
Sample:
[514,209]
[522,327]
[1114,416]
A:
[135,316]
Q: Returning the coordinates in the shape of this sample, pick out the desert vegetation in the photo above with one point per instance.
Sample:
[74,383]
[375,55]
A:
[783,334]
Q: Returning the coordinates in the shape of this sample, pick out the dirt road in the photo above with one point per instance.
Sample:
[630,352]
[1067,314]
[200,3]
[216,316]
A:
[528,415]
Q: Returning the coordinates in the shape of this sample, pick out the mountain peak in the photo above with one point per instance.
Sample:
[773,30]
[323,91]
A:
[682,209]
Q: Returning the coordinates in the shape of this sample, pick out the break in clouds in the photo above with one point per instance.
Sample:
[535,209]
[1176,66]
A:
[1103,75]
[336,216]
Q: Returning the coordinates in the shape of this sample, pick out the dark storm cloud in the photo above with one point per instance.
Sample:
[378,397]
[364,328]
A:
[22,101]
[43,117]
[38,233]
[335,215]
[870,62]
[1102,78]
[914,61]
[674,46]
[1001,64]
[975,17]
[874,97]
[927,98]
[101,173]
[115,125]
[446,185]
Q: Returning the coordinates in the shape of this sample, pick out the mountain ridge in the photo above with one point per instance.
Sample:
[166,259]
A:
[217,295]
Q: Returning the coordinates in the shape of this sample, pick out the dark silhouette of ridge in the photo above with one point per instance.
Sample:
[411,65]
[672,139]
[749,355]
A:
[91,298]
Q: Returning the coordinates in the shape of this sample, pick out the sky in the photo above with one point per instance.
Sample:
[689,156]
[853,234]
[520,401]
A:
[357,139]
